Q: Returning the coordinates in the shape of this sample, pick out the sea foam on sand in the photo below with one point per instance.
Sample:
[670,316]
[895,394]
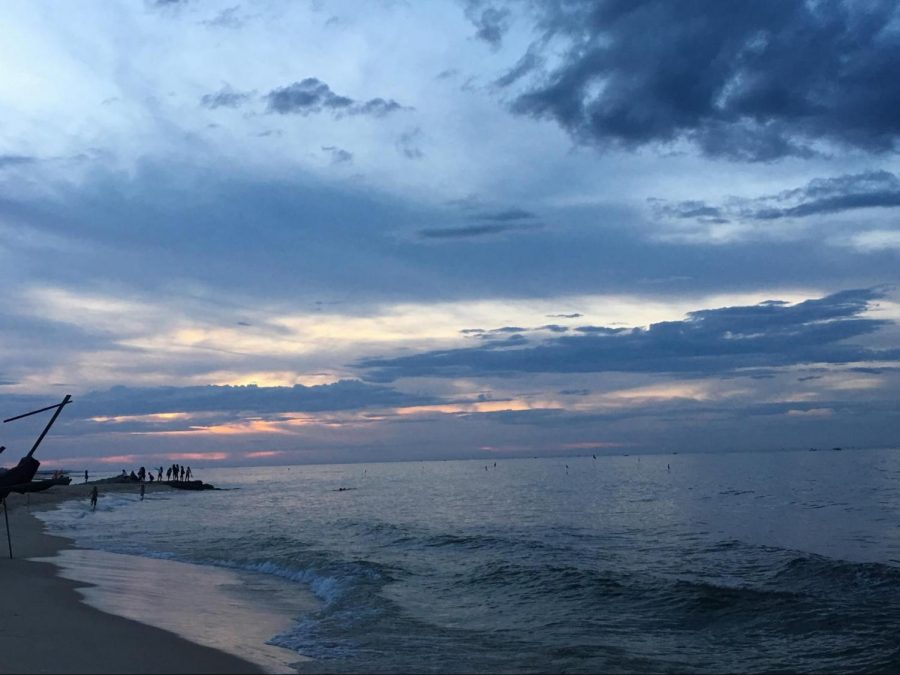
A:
[223,609]
[156,616]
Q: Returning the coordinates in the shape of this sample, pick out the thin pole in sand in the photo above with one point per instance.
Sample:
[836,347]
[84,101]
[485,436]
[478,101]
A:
[8,538]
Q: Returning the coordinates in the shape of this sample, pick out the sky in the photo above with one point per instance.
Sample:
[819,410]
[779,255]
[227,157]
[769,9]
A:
[282,232]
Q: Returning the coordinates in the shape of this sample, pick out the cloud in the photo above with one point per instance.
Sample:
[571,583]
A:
[678,412]
[166,5]
[690,209]
[226,97]
[870,189]
[529,62]
[707,342]
[496,333]
[249,399]
[200,418]
[491,223]
[819,197]
[491,22]
[408,144]
[377,107]
[467,231]
[16,160]
[594,249]
[227,18]
[311,95]
[338,155]
[755,81]
[505,215]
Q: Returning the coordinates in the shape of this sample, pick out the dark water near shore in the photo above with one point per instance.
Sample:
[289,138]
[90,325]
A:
[747,562]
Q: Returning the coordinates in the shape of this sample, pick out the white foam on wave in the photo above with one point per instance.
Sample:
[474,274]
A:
[326,588]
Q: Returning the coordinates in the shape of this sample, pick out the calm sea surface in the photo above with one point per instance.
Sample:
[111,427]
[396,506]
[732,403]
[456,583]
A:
[747,562]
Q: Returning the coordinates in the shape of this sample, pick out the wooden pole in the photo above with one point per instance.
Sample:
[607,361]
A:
[8,537]
[59,408]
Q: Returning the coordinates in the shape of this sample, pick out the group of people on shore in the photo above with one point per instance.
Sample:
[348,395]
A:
[176,470]
[173,472]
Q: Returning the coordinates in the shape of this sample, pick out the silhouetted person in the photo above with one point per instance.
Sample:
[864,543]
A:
[150,476]
[159,477]
[182,473]
[94,498]
[85,475]
[169,473]
[133,475]
[142,474]
[188,473]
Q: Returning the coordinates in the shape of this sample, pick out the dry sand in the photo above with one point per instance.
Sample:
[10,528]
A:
[45,628]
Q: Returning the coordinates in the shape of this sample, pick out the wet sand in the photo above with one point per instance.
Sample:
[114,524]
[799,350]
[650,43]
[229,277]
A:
[46,628]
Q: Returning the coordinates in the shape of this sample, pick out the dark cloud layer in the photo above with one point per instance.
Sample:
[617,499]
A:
[833,195]
[820,197]
[116,419]
[123,401]
[311,95]
[218,230]
[707,342]
[747,81]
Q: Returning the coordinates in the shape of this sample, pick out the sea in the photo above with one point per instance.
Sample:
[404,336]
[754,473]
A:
[751,562]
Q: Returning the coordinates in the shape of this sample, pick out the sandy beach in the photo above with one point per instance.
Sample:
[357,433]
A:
[47,628]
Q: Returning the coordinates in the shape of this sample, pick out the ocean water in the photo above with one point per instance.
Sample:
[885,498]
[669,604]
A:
[701,562]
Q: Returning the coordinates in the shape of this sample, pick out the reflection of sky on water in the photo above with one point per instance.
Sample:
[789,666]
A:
[209,606]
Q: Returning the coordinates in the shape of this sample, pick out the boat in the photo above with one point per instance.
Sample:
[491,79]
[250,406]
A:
[20,478]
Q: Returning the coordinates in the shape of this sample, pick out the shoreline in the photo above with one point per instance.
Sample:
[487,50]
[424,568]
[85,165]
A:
[50,628]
